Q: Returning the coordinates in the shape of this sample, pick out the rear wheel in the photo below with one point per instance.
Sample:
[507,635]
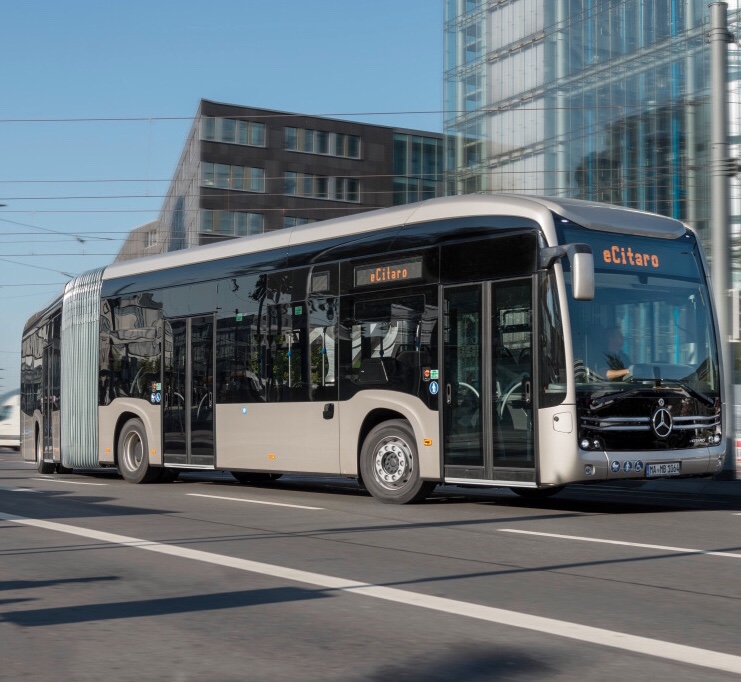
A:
[133,454]
[41,466]
[389,464]
[255,478]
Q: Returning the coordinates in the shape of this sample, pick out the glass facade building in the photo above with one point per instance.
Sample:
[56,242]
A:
[604,100]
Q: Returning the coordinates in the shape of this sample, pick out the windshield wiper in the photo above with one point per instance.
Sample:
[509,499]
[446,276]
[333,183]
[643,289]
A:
[609,398]
[698,395]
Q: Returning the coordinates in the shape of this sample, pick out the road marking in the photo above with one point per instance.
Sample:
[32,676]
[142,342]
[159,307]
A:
[633,644]
[241,499]
[19,490]
[665,548]
[61,480]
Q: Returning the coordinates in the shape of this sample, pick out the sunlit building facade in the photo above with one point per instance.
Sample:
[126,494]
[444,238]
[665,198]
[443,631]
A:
[606,100]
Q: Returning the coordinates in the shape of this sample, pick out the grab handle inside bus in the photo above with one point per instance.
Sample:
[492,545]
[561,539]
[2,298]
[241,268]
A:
[582,267]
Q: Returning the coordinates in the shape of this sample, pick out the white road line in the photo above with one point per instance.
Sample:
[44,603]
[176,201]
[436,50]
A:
[241,499]
[664,548]
[633,644]
[19,490]
[61,480]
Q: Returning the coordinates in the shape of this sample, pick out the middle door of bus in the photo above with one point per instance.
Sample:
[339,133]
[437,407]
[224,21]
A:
[487,386]
[188,400]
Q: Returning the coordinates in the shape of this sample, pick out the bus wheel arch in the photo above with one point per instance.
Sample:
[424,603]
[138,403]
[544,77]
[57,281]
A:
[132,451]
[389,463]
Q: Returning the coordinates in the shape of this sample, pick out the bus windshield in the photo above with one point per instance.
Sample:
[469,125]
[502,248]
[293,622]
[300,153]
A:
[650,323]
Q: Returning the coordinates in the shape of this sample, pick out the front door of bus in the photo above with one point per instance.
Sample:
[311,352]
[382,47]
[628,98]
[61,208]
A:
[487,382]
[188,404]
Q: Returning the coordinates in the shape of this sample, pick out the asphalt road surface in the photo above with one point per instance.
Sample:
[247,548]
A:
[312,579]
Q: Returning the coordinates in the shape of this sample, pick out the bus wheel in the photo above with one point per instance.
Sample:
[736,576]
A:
[41,466]
[255,478]
[389,464]
[133,454]
[537,493]
[61,469]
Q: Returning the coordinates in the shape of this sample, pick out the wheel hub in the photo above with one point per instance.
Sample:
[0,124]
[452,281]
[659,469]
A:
[392,463]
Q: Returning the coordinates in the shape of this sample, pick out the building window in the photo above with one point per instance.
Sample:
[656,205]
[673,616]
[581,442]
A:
[257,134]
[228,126]
[291,139]
[321,187]
[289,183]
[233,131]
[293,221]
[231,223]
[347,189]
[224,176]
[208,130]
[257,180]
[150,239]
[322,142]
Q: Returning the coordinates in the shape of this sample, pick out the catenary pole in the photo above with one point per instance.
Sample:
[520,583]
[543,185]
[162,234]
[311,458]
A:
[721,169]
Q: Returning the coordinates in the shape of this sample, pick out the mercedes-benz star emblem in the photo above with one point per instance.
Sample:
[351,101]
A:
[661,421]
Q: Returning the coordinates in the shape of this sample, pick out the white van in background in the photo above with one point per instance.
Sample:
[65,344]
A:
[10,422]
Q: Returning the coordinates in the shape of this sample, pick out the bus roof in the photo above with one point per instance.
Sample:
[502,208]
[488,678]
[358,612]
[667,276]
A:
[591,215]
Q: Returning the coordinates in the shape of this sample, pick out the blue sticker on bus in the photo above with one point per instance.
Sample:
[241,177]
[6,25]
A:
[628,467]
[615,467]
[434,387]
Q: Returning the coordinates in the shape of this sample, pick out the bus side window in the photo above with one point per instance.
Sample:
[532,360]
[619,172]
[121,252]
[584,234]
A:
[323,315]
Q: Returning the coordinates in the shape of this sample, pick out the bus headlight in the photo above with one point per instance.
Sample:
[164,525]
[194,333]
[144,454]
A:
[585,444]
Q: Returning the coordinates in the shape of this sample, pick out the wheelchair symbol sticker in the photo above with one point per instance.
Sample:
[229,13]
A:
[434,387]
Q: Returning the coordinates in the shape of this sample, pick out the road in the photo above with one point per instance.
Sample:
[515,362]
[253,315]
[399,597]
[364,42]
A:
[312,579]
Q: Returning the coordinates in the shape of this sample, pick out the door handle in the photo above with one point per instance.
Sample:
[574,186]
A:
[448,394]
[328,412]
[527,389]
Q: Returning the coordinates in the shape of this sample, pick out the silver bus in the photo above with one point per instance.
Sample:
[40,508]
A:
[502,340]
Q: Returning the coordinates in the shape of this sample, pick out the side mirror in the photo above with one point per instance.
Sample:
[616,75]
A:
[582,274]
[582,267]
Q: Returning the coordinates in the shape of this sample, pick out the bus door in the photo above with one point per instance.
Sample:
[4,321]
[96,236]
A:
[188,400]
[48,399]
[487,383]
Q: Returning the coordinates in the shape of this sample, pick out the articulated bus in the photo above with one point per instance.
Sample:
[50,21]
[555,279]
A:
[514,341]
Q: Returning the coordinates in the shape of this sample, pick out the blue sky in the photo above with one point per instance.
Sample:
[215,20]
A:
[97,98]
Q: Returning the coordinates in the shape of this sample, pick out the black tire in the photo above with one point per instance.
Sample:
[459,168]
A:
[61,469]
[255,478]
[43,467]
[389,465]
[133,454]
[537,493]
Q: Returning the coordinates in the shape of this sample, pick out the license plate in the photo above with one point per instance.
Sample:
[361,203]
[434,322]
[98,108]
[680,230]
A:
[663,469]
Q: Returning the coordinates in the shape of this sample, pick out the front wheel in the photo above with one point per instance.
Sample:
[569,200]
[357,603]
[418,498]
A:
[133,454]
[389,464]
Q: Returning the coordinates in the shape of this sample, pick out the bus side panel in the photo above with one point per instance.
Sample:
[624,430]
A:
[425,424]
[277,437]
[108,416]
